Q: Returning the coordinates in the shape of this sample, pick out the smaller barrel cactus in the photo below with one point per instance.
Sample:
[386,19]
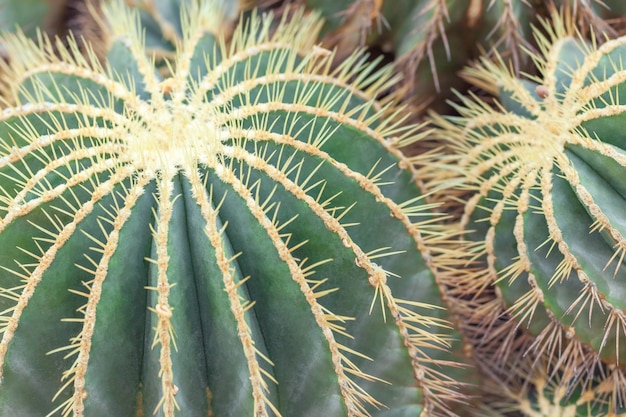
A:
[542,176]
[242,238]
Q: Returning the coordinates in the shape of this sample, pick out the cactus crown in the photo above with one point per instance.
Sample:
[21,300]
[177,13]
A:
[249,216]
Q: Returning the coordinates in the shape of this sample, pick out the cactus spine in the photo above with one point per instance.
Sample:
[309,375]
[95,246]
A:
[242,238]
[542,176]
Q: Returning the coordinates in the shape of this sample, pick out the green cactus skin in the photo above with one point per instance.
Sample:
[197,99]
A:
[421,34]
[543,175]
[243,238]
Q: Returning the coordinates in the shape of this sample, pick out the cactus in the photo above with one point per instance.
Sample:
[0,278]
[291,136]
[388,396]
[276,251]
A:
[243,238]
[542,177]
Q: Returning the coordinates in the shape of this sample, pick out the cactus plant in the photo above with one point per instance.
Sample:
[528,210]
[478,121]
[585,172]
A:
[541,176]
[242,238]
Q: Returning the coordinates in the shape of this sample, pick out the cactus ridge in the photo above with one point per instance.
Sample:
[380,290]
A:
[119,181]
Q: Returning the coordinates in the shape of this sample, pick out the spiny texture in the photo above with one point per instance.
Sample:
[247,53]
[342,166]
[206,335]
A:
[243,238]
[543,178]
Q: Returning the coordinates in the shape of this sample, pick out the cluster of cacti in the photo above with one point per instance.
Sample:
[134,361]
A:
[242,238]
[206,211]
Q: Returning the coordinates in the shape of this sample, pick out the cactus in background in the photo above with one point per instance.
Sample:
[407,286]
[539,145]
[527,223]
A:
[243,238]
[432,40]
[31,15]
[163,27]
[543,178]
[54,18]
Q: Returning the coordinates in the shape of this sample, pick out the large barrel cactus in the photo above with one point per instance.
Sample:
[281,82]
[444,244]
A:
[242,238]
[543,177]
